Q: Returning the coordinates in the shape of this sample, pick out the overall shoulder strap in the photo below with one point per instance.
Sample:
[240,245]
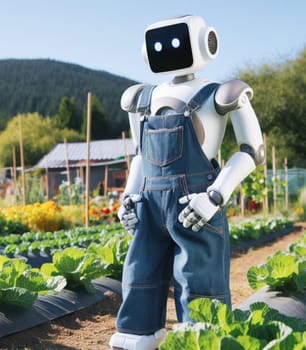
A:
[144,101]
[197,101]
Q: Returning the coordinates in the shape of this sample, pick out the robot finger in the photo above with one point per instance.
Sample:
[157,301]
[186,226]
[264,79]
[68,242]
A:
[131,231]
[187,198]
[184,213]
[129,216]
[191,219]
[132,222]
[197,226]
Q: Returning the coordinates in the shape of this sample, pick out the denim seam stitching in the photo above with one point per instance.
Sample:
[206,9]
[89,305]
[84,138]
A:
[144,285]
[215,296]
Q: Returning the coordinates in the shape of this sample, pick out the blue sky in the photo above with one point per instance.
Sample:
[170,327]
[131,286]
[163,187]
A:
[107,35]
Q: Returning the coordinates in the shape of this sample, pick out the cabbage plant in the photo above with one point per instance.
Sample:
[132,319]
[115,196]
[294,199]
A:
[112,253]
[20,284]
[77,266]
[283,271]
[216,327]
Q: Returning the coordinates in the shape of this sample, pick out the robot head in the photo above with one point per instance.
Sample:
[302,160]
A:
[179,46]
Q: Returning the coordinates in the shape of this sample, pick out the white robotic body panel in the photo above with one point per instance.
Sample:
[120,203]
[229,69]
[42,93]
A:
[129,97]
[214,127]
[134,119]
[238,167]
[246,126]
[135,178]
[232,95]
[199,129]
[183,92]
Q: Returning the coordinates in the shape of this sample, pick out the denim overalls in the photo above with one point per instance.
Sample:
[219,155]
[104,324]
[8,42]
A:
[162,250]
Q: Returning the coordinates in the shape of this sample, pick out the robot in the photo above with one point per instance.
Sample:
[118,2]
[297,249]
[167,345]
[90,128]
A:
[175,194]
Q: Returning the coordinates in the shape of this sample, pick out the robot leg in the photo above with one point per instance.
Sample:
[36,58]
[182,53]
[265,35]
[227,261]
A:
[124,341]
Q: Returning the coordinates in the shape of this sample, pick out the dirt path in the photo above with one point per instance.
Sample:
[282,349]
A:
[91,328]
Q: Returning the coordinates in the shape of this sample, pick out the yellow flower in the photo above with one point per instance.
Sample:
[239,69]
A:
[299,210]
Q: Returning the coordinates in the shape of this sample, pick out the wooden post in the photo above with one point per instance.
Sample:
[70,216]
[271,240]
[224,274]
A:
[81,174]
[47,177]
[274,179]
[67,169]
[14,174]
[126,155]
[266,199]
[88,159]
[22,161]
[105,180]
[286,181]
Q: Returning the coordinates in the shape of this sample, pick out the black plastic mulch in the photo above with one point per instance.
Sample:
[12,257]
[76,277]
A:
[49,307]
[289,304]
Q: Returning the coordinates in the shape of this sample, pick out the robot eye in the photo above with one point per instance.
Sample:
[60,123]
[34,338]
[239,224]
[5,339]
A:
[158,46]
[176,43]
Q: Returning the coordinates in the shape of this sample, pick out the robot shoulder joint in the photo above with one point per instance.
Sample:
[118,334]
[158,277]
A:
[130,97]
[231,95]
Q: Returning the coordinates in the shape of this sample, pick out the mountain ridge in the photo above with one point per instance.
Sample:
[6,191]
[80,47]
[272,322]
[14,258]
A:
[38,85]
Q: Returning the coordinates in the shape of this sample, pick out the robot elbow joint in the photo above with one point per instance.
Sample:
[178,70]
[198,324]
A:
[258,154]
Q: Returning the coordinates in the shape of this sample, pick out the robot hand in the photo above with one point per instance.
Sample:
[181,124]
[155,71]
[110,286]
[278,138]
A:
[199,210]
[126,213]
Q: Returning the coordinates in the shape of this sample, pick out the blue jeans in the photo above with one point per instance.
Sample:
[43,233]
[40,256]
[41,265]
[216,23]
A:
[162,250]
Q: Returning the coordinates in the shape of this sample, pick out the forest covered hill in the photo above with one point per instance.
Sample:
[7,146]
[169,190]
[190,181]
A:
[38,85]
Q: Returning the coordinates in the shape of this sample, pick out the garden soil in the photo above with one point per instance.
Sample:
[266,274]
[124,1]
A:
[91,328]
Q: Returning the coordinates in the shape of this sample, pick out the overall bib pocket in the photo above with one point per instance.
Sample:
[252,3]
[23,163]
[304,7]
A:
[164,146]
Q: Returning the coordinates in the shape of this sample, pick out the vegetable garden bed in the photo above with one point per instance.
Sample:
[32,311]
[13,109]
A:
[281,281]
[33,295]
[257,232]
[92,327]
[43,314]
[49,307]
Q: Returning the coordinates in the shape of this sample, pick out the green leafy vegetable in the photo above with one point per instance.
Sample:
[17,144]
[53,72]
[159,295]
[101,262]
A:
[283,271]
[260,328]
[77,266]
[112,254]
[20,284]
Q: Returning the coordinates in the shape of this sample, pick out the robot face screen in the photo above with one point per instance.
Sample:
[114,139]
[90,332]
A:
[169,48]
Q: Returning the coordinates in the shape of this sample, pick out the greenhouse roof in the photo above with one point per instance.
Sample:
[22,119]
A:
[100,151]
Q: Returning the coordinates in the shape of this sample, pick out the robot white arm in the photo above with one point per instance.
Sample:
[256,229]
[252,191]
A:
[252,153]
[131,195]
[129,101]
[248,134]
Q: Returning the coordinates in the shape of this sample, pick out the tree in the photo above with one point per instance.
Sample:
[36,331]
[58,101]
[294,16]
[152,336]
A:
[68,115]
[279,102]
[99,124]
[39,136]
